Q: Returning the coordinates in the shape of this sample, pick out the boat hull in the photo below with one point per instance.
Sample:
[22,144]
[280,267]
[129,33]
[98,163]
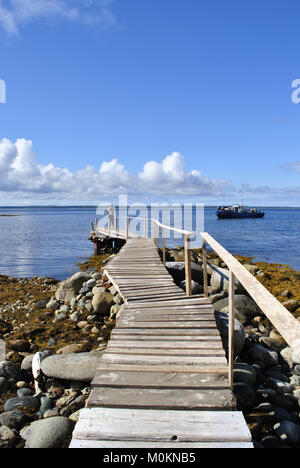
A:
[239,215]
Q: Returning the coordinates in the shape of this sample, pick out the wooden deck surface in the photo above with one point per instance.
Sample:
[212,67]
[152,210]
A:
[163,379]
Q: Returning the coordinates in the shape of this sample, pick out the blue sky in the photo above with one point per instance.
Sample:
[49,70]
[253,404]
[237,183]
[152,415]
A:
[160,98]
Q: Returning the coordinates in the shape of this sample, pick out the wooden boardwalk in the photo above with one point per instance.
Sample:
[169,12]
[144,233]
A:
[163,379]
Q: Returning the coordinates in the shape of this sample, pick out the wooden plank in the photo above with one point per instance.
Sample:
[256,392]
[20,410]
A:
[201,369]
[166,352]
[150,425]
[166,332]
[196,324]
[165,380]
[185,339]
[113,444]
[167,318]
[179,399]
[136,359]
[165,344]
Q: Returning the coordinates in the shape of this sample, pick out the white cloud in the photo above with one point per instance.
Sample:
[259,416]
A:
[292,167]
[21,173]
[17,13]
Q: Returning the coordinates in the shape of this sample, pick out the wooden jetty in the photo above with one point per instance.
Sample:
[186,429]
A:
[164,380]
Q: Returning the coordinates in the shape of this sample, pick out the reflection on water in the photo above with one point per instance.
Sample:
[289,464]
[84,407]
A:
[47,241]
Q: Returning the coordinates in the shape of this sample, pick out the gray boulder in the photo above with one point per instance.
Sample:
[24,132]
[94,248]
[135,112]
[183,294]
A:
[29,402]
[177,271]
[48,433]
[222,320]
[220,281]
[242,303]
[80,366]
[102,303]
[70,288]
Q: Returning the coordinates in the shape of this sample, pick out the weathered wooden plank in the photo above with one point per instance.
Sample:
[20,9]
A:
[196,324]
[161,344]
[166,332]
[109,357]
[185,339]
[202,369]
[166,352]
[160,399]
[113,444]
[166,380]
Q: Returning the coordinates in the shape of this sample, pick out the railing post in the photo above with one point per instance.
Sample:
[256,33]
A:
[155,234]
[96,225]
[188,272]
[231,327]
[126,227]
[145,228]
[92,225]
[163,246]
[204,268]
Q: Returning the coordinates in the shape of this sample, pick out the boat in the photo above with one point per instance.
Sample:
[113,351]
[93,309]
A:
[237,212]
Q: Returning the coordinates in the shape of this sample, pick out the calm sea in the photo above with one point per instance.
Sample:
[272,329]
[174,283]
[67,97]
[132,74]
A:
[49,241]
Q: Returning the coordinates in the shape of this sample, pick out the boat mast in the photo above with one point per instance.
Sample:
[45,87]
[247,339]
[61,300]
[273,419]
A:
[241,198]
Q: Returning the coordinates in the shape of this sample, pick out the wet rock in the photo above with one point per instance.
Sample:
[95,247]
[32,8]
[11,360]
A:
[48,433]
[244,373]
[245,395]
[259,352]
[288,431]
[280,387]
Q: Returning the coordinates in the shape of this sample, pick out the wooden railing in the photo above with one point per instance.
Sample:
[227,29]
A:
[279,316]
[187,251]
[156,228]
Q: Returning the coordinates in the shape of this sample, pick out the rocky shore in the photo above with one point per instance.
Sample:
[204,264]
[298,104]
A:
[55,333]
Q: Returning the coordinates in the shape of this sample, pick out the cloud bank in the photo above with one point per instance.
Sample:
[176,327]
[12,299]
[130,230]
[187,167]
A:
[15,14]
[21,173]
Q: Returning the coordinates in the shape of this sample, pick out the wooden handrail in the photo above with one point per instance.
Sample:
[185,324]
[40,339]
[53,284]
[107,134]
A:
[284,322]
